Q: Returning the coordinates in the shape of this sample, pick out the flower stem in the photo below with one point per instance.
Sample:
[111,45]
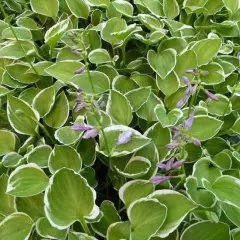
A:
[87,66]
[15,35]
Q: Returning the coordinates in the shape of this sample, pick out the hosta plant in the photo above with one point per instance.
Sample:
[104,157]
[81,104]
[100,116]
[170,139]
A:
[119,119]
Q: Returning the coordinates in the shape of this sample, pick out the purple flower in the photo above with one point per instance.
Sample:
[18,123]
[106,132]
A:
[188,123]
[79,107]
[211,95]
[174,145]
[80,70]
[170,164]
[175,129]
[78,127]
[196,142]
[160,179]
[92,133]
[189,71]
[95,104]
[124,137]
[182,101]
[186,80]
[75,51]
[191,90]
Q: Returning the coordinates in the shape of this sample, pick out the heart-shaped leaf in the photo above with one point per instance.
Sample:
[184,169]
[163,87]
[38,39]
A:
[167,119]
[162,63]
[16,226]
[59,194]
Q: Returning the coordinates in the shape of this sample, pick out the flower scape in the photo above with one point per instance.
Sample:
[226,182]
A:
[120,119]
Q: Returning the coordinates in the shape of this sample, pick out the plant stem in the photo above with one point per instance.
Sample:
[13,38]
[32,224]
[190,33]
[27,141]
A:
[124,54]
[15,35]
[87,66]
[84,226]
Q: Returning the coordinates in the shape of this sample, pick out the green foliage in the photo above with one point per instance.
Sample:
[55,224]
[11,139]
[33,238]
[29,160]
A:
[119,119]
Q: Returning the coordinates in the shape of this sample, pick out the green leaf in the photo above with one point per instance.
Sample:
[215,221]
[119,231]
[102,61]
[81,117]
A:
[113,25]
[170,84]
[58,115]
[206,230]
[146,112]
[134,190]
[146,217]
[135,102]
[171,8]
[67,136]
[45,7]
[232,6]
[7,203]
[154,6]
[29,94]
[210,129]
[231,212]
[110,215]
[45,229]
[11,160]
[136,167]
[124,7]
[18,72]
[235,233]
[225,188]
[21,33]
[21,117]
[203,169]
[27,180]
[119,108]
[174,215]
[124,84]
[118,230]
[101,82]
[14,51]
[99,56]
[64,71]
[54,34]
[221,107]
[90,175]
[39,155]
[59,194]
[78,236]
[198,195]
[78,8]
[185,61]
[236,126]
[64,156]
[7,142]
[150,22]
[162,63]
[16,226]
[44,101]
[28,23]
[215,76]
[167,119]
[222,160]
[112,133]
[33,206]
[87,151]
[161,138]
[213,45]
[99,3]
